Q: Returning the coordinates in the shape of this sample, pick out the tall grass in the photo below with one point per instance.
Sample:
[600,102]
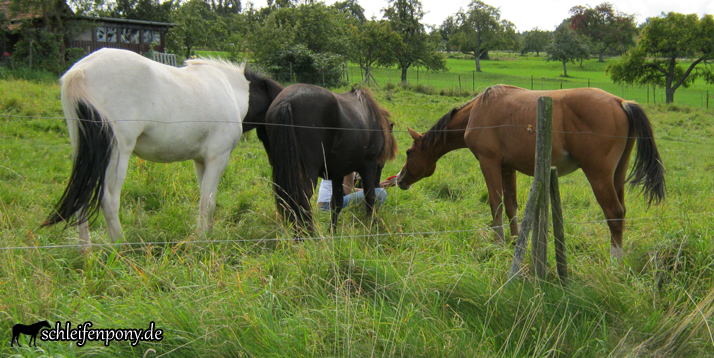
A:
[390,288]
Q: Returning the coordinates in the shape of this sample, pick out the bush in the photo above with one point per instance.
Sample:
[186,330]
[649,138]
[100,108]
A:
[299,64]
[39,49]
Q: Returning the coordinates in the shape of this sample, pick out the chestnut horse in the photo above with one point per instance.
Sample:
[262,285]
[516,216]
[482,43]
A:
[592,130]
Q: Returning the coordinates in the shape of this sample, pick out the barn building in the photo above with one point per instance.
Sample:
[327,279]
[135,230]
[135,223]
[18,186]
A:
[90,33]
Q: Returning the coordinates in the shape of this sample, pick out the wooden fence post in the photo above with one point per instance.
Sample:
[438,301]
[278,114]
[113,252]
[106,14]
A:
[536,214]
[561,261]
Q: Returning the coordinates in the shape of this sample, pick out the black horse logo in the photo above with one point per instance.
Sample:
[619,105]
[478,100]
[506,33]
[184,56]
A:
[30,330]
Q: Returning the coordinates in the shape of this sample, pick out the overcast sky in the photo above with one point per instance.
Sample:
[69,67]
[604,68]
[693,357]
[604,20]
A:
[545,14]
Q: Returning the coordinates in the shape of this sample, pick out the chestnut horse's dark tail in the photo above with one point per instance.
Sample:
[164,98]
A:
[291,182]
[647,169]
[92,140]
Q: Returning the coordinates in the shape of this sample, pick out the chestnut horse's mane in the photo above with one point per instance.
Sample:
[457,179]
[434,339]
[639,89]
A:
[439,131]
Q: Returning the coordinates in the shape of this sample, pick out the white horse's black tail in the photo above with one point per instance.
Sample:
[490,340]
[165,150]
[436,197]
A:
[92,140]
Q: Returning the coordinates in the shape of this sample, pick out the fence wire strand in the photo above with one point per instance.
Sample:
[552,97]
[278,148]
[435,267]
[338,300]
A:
[317,238]
[357,129]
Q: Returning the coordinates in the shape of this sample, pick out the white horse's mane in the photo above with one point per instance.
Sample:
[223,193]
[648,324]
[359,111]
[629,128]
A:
[225,64]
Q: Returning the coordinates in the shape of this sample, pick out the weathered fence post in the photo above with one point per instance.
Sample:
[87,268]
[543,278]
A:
[561,262]
[536,214]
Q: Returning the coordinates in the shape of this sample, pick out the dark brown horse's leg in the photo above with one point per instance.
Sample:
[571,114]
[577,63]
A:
[370,178]
[510,199]
[606,195]
[338,195]
[492,174]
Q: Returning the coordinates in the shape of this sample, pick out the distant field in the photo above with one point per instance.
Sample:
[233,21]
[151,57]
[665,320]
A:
[529,72]
[426,281]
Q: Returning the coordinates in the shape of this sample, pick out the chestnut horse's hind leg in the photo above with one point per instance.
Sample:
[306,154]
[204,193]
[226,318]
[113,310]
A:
[491,170]
[510,199]
[607,196]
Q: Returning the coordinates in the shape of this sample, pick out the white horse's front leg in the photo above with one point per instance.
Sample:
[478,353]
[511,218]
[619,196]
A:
[116,174]
[212,172]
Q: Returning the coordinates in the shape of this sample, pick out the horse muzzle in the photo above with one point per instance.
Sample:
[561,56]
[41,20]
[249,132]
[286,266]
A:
[400,181]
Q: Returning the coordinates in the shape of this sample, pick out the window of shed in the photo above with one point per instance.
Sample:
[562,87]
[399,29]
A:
[111,34]
[101,34]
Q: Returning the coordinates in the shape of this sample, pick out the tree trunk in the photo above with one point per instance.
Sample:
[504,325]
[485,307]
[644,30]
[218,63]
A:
[669,92]
[366,74]
[565,69]
[601,56]
[477,57]
[404,74]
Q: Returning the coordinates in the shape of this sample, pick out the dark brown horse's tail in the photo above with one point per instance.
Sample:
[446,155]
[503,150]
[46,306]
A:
[648,169]
[291,182]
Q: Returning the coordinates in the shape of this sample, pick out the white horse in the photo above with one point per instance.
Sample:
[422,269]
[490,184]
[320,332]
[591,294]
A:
[117,103]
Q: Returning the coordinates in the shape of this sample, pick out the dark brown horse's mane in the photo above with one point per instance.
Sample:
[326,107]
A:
[382,116]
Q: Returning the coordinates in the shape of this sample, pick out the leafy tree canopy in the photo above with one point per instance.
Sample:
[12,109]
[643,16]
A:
[480,29]
[663,43]
[536,41]
[606,27]
[373,43]
[417,49]
[567,46]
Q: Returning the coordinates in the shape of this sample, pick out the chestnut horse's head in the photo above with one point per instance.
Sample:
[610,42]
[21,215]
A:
[420,163]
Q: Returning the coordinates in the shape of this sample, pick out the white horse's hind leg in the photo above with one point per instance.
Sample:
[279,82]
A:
[83,229]
[116,174]
[212,171]
[200,169]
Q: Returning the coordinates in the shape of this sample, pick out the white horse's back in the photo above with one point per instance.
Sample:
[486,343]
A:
[171,113]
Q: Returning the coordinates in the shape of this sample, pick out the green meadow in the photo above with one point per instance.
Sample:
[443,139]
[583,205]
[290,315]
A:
[426,280]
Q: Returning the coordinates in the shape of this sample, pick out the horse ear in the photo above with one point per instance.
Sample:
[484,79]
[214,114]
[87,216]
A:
[415,135]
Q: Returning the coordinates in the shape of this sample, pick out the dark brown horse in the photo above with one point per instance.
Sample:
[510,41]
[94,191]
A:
[311,133]
[592,130]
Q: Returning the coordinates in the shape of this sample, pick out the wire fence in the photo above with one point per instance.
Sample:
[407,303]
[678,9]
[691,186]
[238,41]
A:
[316,238]
[353,129]
[475,82]
[419,233]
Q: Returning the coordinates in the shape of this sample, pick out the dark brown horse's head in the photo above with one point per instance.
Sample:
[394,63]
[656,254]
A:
[420,164]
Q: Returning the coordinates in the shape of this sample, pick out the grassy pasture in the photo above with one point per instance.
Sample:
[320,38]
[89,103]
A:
[397,292]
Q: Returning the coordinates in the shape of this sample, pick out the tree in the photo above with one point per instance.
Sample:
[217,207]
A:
[311,36]
[663,42]
[197,27]
[606,27]
[148,10]
[416,49]
[446,30]
[352,9]
[567,46]
[374,43]
[536,41]
[480,29]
